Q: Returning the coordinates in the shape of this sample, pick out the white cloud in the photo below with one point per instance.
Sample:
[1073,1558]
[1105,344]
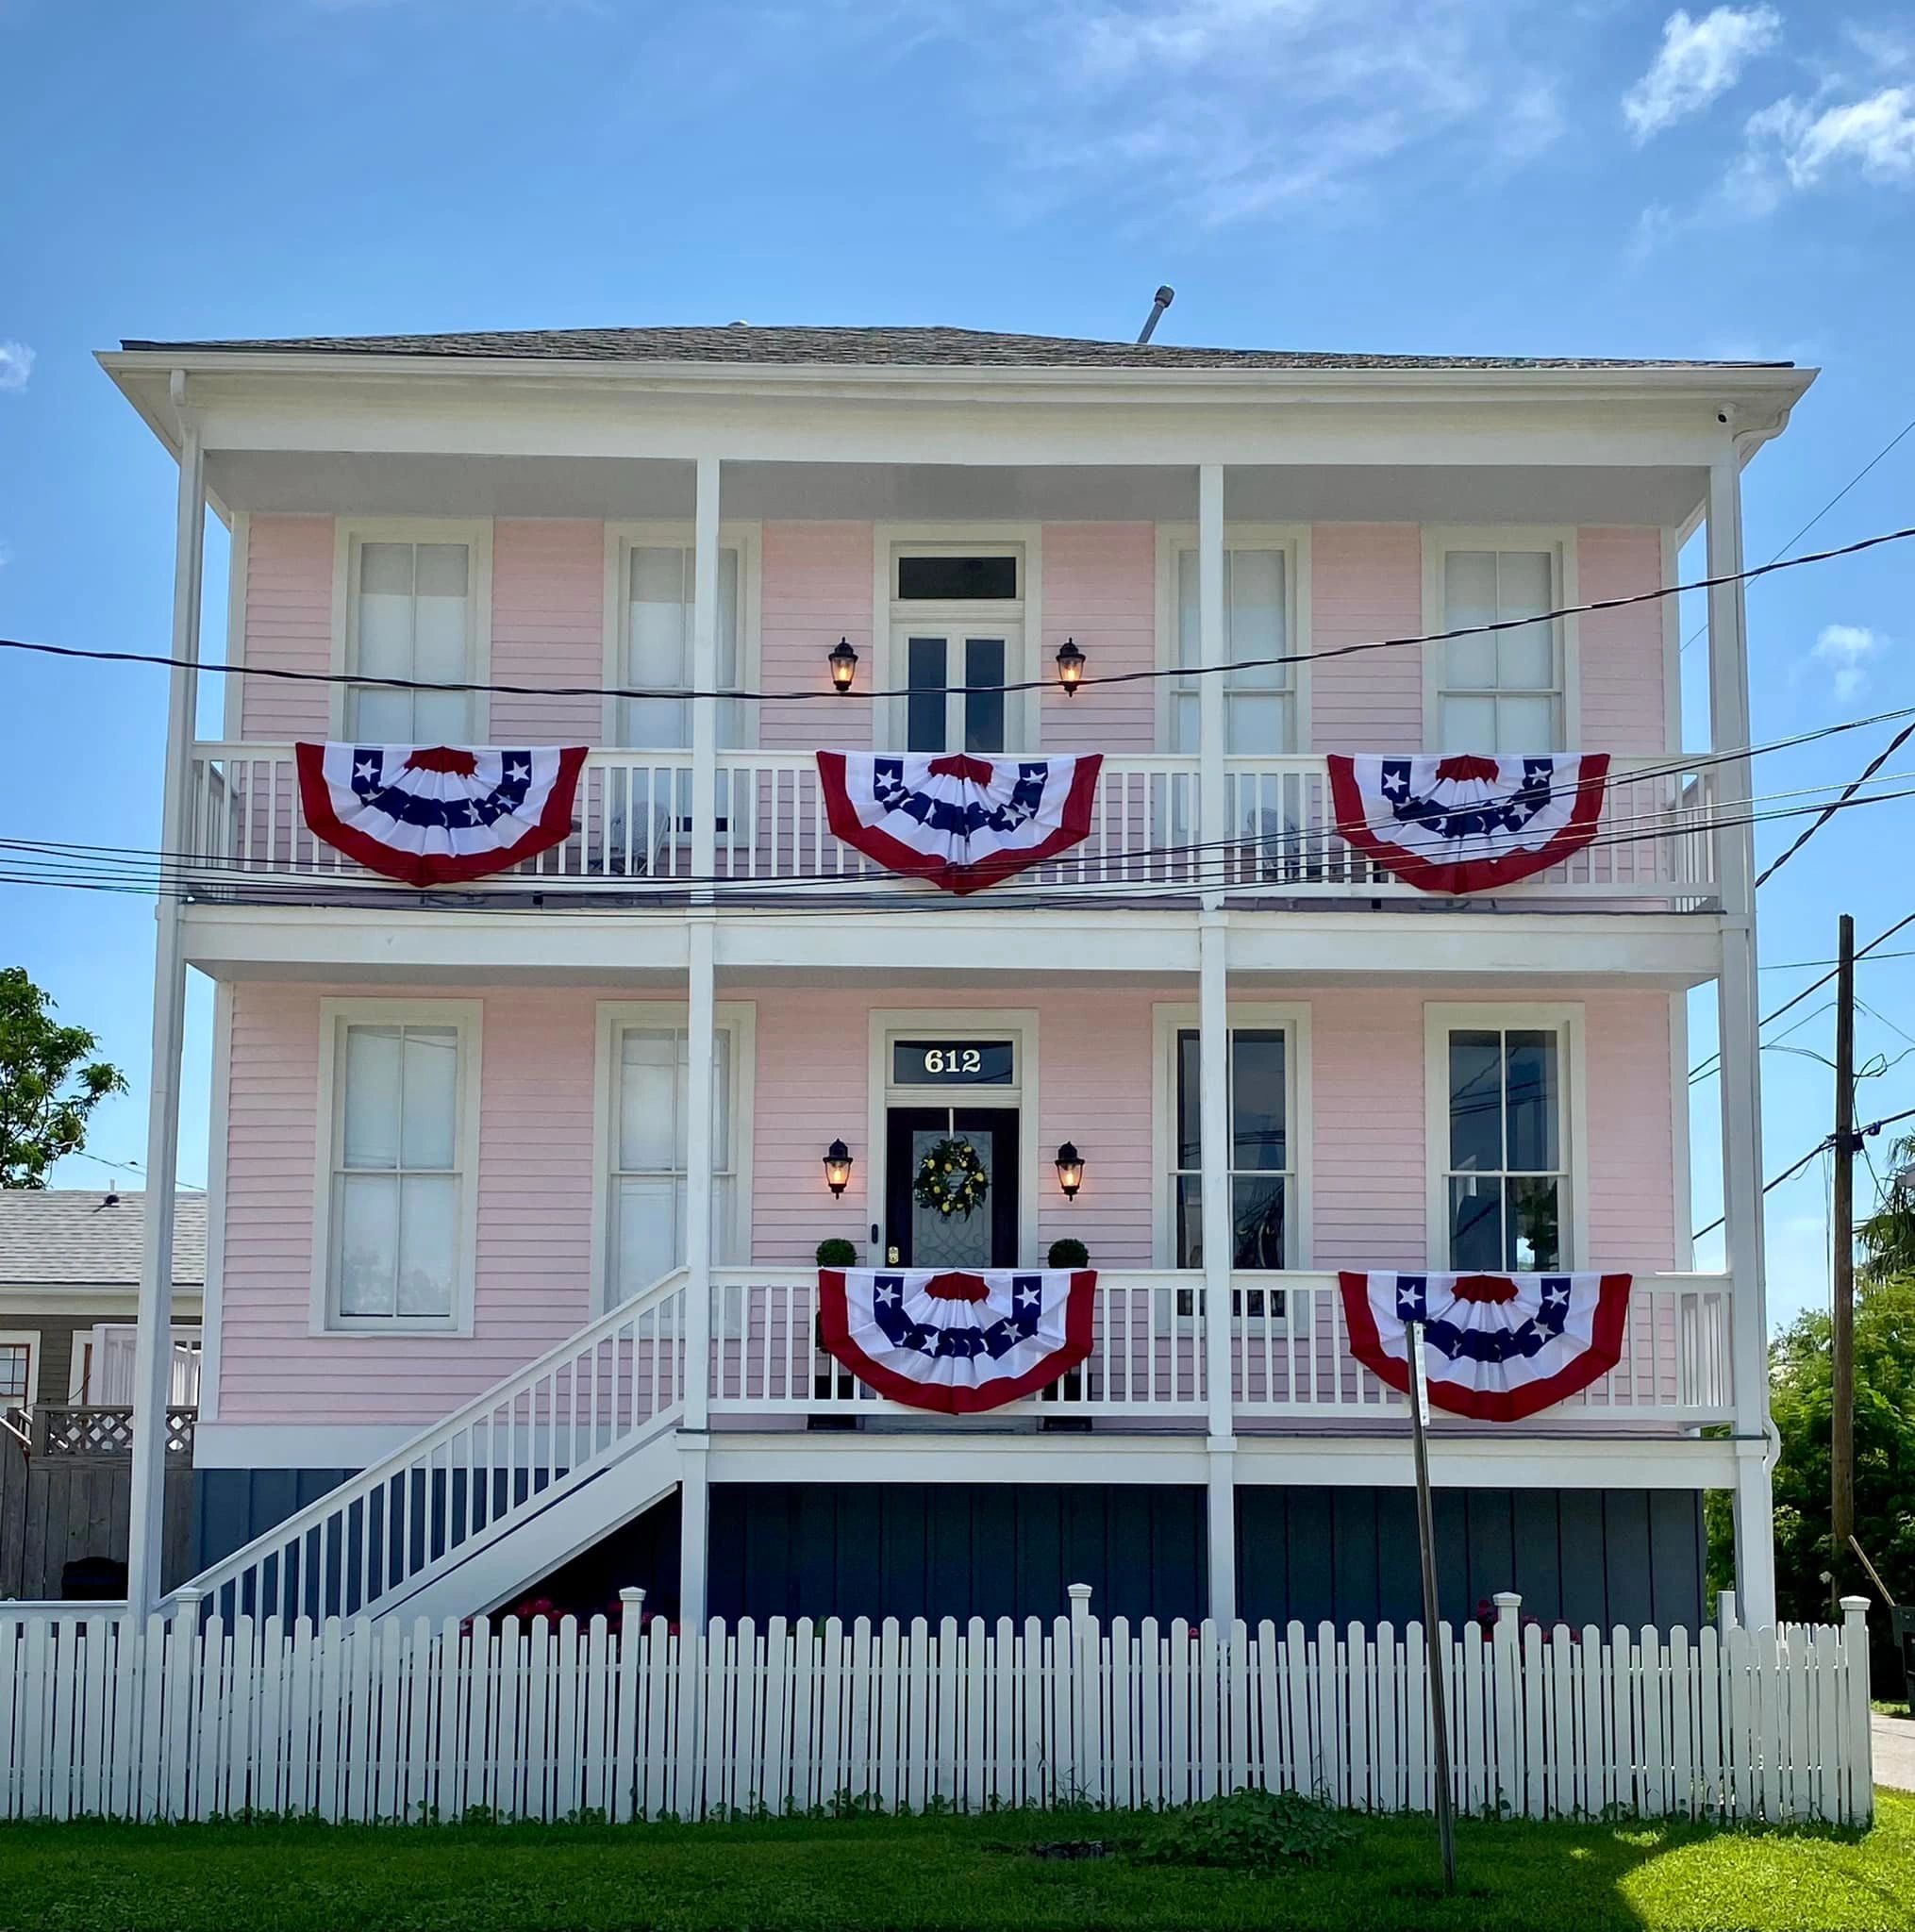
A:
[16,365]
[1222,109]
[1845,651]
[1799,144]
[1697,61]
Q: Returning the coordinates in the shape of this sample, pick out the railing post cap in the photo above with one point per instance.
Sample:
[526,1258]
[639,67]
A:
[186,1594]
[1078,1592]
[1507,1599]
[1854,1606]
[631,1595]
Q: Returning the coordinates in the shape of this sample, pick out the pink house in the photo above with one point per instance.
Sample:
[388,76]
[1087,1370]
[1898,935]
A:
[517,1185]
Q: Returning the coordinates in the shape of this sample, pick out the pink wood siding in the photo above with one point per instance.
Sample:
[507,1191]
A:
[1100,587]
[1366,582]
[287,625]
[1622,672]
[548,627]
[816,586]
[533,1280]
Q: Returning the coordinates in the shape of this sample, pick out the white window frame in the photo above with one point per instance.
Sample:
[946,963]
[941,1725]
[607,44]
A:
[475,533]
[738,1018]
[1294,1018]
[335,1016]
[30,1339]
[1565,1019]
[1438,540]
[1293,540]
[1023,712]
[621,539]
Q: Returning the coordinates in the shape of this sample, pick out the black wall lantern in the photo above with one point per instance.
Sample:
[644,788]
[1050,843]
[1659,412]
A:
[1070,666]
[843,663]
[1070,1170]
[838,1168]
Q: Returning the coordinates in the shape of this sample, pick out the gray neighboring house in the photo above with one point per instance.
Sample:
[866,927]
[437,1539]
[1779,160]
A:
[69,1292]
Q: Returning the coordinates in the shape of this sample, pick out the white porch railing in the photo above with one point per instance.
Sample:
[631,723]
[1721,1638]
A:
[509,1453]
[633,828]
[1290,1347]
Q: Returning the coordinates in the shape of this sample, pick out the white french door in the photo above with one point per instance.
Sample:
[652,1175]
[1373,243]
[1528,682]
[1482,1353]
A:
[954,674]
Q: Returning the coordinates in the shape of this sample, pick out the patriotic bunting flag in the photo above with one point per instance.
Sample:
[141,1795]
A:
[956,1341]
[1466,823]
[960,821]
[435,815]
[1500,1346]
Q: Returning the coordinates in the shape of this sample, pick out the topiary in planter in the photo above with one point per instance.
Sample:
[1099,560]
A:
[837,1254]
[1068,1253]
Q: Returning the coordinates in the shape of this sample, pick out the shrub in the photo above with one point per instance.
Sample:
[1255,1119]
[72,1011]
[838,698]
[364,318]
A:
[837,1254]
[1249,1830]
[1068,1253]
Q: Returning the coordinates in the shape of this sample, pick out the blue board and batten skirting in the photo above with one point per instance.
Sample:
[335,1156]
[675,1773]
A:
[1603,1556]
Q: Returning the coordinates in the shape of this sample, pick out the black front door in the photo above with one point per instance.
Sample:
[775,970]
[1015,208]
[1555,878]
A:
[919,1237]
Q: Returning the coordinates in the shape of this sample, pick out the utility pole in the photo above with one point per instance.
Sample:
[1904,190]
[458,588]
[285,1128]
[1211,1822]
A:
[1841,1448]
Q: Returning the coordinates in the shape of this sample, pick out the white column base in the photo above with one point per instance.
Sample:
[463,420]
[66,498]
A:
[695,1533]
[1221,1534]
[1754,1514]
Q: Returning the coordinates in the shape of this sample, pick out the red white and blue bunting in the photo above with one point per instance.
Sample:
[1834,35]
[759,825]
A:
[956,1341]
[960,821]
[434,815]
[1464,823]
[1500,1346]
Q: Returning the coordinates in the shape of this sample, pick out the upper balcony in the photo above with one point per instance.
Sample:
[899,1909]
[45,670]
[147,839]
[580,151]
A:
[633,837]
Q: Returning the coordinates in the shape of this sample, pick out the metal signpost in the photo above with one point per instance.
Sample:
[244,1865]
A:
[1425,1536]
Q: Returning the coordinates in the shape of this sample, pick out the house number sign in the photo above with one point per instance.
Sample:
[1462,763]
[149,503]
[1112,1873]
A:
[951,1063]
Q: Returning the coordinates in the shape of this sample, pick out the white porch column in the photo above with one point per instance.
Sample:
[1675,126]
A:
[694,1535]
[701,1060]
[1213,1059]
[1213,648]
[152,1342]
[1736,1014]
[704,677]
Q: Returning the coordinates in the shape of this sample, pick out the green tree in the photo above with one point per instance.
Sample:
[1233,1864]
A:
[49,1082]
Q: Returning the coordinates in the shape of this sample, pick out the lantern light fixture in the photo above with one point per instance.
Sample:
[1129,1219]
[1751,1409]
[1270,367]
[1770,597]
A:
[1070,1170]
[843,663]
[1070,661]
[838,1168]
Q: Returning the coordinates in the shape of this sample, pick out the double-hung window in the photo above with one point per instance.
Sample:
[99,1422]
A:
[647,1191]
[1505,1132]
[1262,1161]
[1500,690]
[1260,700]
[399,1177]
[656,597]
[413,611]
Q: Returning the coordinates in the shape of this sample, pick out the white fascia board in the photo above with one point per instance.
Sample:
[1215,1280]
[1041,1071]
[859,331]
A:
[296,1445]
[89,1301]
[961,1456]
[1513,1461]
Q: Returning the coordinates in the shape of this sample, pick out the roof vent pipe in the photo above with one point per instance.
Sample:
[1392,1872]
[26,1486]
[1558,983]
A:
[1165,297]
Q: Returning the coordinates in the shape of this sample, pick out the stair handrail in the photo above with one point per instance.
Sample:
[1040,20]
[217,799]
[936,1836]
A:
[421,1446]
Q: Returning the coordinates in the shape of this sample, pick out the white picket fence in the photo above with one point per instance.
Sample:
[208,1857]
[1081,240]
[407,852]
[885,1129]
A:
[385,1720]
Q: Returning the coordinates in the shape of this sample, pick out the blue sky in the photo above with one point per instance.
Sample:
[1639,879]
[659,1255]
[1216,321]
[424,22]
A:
[1460,175]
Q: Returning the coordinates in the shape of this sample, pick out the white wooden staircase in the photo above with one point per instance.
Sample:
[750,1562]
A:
[497,1494]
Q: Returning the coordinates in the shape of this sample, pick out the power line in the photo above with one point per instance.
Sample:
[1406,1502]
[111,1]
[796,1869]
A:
[1855,785]
[1905,429]
[1705,1066]
[1822,1146]
[810,694]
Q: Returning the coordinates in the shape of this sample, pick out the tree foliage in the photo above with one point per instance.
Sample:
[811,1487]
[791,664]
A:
[49,1082]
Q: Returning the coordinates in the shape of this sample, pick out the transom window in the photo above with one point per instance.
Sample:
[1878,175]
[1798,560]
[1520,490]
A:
[1259,704]
[1500,690]
[1262,1169]
[659,580]
[412,617]
[398,1172]
[941,576]
[1505,1177]
[650,1129]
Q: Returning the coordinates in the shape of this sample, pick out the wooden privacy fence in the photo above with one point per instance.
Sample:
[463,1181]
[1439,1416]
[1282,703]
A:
[382,1720]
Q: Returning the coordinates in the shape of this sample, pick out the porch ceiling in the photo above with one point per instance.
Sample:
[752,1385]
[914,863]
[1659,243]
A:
[339,482]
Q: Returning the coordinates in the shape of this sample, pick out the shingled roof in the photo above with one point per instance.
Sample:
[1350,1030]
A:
[902,348]
[68,1238]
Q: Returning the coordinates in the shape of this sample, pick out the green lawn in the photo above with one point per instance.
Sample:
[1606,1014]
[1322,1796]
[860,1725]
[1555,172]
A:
[936,1873]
